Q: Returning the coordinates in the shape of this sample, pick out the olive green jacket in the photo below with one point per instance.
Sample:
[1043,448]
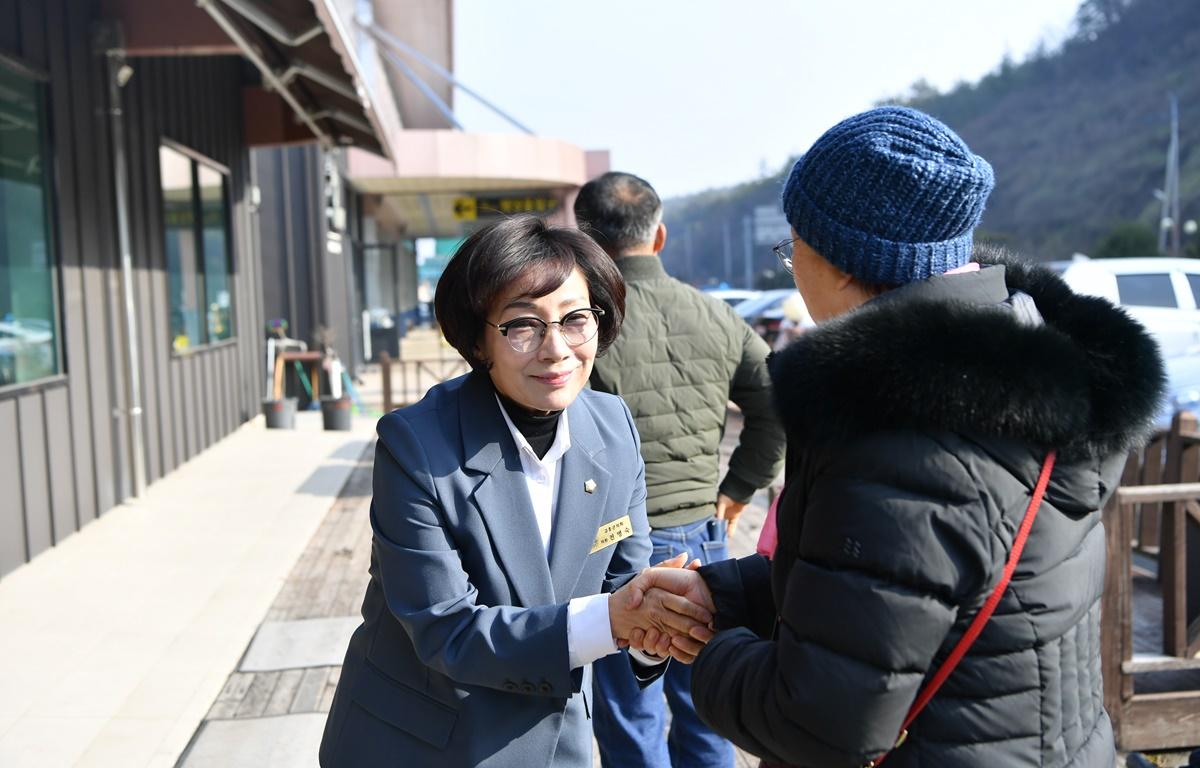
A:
[680,358]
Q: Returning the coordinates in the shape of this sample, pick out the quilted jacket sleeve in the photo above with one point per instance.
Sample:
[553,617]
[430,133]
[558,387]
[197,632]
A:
[758,457]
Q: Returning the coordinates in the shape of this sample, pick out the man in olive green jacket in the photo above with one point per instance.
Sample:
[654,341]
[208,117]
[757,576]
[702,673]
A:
[680,358]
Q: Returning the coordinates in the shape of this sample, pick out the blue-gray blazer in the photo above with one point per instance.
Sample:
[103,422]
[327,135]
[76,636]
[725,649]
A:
[461,659]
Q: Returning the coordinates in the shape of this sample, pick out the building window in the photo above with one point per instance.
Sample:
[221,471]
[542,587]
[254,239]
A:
[196,222]
[214,228]
[29,337]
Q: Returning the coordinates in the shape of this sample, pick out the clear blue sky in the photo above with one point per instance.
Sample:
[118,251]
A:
[693,94]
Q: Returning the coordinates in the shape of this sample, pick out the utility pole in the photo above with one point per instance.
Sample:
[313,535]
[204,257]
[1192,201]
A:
[748,247]
[728,247]
[1169,220]
[687,250]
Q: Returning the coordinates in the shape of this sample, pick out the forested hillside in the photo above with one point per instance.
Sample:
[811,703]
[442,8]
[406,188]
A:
[1077,136]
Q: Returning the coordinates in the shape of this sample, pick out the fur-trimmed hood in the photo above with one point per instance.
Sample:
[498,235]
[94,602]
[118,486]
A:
[1089,381]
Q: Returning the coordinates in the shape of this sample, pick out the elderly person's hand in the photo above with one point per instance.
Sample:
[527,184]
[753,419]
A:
[668,588]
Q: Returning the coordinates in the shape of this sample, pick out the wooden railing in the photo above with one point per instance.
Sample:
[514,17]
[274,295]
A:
[1162,519]
[406,381]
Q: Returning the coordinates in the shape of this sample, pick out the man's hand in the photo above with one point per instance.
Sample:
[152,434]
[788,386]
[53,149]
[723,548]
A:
[729,511]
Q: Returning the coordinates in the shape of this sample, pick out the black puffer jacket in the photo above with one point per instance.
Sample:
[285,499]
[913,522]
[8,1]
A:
[917,425]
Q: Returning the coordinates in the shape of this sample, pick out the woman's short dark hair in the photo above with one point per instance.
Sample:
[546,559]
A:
[526,249]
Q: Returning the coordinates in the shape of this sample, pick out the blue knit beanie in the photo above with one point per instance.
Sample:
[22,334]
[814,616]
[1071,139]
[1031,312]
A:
[889,196]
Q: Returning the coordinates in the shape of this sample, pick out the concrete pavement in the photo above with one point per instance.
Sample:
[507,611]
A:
[117,641]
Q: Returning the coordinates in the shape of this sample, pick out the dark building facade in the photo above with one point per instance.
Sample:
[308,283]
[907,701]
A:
[195,283]
[131,290]
[306,248]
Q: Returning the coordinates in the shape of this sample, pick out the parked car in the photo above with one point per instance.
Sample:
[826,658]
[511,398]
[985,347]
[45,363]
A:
[733,296]
[765,312]
[1160,293]
[1163,294]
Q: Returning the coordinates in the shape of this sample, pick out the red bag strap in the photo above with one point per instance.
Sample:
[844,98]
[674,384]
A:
[985,612]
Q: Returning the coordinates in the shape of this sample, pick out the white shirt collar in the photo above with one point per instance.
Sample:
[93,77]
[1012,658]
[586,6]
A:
[561,444]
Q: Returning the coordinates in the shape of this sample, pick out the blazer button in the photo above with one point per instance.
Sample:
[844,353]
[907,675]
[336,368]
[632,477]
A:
[546,688]
[509,685]
[527,687]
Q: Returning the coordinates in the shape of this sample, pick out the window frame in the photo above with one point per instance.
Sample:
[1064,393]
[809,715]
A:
[41,78]
[1187,285]
[197,159]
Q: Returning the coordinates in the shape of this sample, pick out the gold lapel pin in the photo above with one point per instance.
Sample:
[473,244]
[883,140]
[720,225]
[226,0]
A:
[589,486]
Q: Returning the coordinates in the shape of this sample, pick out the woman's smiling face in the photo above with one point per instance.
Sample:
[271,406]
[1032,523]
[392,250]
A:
[549,377]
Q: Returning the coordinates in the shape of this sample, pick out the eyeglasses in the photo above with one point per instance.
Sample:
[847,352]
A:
[783,249]
[525,334]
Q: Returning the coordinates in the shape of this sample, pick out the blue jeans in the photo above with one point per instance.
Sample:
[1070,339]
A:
[629,722]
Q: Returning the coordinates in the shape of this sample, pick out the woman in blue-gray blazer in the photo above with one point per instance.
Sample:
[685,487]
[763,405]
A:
[508,504]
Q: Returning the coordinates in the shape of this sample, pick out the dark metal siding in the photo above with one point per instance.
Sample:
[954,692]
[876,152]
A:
[12,510]
[191,400]
[71,459]
[303,281]
[71,127]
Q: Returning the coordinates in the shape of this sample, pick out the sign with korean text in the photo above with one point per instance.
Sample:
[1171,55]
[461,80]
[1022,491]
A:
[472,208]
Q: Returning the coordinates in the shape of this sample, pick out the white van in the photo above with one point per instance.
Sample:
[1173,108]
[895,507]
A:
[1162,293]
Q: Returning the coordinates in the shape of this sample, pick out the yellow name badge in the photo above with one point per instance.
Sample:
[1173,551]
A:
[611,533]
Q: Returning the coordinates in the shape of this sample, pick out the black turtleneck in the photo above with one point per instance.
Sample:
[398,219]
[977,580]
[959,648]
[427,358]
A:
[537,427]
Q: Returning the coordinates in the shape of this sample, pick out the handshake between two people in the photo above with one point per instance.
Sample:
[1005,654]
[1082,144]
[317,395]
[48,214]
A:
[666,609]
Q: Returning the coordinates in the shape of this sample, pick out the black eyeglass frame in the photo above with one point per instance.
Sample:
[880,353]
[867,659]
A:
[507,324]
[783,251]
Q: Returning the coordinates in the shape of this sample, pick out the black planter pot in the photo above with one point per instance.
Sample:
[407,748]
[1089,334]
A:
[335,412]
[280,414]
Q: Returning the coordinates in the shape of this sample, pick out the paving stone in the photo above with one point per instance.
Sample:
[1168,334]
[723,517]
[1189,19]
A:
[299,644]
[288,741]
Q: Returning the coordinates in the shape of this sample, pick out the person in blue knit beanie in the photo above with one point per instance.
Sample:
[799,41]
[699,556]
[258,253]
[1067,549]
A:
[888,196]
[941,384]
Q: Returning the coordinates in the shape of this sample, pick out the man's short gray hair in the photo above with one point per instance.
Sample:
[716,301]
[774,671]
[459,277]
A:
[620,210]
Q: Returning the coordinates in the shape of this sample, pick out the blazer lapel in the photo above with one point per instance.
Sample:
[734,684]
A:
[579,511]
[502,496]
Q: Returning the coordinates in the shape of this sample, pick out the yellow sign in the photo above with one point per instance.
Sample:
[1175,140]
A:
[611,533]
[472,208]
[465,209]
[509,205]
